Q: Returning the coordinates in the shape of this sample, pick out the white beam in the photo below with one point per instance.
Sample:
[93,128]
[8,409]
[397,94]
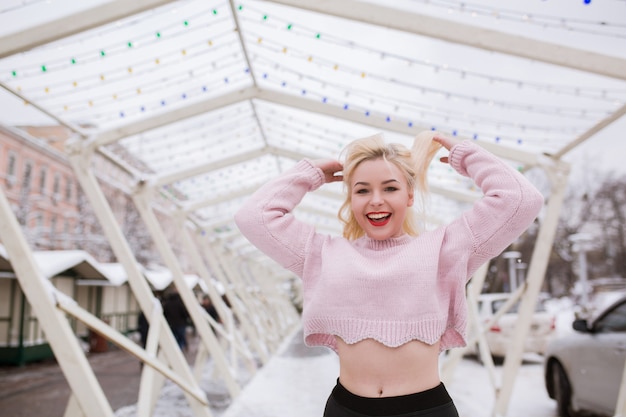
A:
[74,23]
[621,112]
[79,159]
[194,309]
[59,334]
[206,167]
[43,110]
[463,34]
[534,280]
[170,178]
[191,207]
[173,116]
[380,123]
[233,293]
[131,347]
[196,205]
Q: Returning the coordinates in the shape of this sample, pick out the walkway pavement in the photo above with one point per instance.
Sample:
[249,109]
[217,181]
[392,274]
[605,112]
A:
[40,389]
[295,382]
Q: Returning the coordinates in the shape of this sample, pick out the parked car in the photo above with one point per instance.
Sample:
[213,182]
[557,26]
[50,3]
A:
[500,334]
[583,370]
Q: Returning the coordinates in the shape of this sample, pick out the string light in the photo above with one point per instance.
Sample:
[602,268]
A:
[171,99]
[560,111]
[24,4]
[141,68]
[145,40]
[590,114]
[589,92]
[160,152]
[542,131]
[545,21]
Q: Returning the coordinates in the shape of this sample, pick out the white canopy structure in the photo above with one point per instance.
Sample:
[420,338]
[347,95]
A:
[202,102]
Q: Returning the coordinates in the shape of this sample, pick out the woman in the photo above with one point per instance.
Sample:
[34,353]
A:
[386,299]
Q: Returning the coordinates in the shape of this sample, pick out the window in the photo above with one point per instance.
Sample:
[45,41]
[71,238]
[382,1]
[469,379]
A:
[28,176]
[68,189]
[56,185]
[614,321]
[11,163]
[42,180]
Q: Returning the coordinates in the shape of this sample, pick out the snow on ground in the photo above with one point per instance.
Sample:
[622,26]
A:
[298,380]
[474,395]
[299,386]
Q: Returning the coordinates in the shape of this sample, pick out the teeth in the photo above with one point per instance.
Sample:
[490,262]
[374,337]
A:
[377,216]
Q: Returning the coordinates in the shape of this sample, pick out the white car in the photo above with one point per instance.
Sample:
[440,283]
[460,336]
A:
[583,370]
[500,334]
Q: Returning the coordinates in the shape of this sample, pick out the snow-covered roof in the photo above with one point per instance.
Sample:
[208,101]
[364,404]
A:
[76,262]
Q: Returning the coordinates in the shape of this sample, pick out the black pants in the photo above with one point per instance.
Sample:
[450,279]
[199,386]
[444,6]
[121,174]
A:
[434,402]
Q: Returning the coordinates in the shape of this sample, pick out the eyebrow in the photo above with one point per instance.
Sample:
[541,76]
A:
[367,183]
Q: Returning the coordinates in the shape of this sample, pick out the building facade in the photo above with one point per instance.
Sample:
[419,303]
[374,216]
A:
[49,204]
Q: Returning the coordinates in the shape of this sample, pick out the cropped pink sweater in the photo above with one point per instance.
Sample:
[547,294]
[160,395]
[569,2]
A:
[393,290]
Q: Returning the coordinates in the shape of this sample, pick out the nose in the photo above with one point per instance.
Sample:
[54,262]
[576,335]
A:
[377,198]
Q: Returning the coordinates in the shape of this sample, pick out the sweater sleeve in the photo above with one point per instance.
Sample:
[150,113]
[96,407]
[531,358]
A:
[509,205]
[267,221]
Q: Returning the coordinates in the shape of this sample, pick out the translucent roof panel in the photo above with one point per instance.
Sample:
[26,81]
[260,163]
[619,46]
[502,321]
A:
[197,140]
[209,100]
[141,65]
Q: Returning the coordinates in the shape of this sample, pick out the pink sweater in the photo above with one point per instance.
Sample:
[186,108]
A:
[399,289]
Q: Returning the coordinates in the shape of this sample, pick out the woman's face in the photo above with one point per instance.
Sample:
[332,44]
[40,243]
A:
[380,198]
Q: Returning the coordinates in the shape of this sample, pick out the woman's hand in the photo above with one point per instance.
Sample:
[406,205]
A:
[331,169]
[446,143]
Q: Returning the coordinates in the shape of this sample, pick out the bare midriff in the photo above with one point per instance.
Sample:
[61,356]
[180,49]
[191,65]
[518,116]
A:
[370,369]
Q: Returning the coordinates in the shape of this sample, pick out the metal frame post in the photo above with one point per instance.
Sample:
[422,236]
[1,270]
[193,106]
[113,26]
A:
[233,296]
[227,328]
[79,155]
[194,308]
[558,175]
[86,390]
[454,357]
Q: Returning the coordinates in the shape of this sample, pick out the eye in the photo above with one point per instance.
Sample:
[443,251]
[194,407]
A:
[391,189]
[361,191]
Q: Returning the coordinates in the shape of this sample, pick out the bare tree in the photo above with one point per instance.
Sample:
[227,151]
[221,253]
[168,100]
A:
[608,216]
[596,206]
[137,234]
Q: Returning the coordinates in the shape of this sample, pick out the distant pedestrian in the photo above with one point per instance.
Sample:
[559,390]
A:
[177,317]
[208,305]
[142,328]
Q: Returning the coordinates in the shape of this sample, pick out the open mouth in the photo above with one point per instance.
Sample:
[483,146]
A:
[378,219]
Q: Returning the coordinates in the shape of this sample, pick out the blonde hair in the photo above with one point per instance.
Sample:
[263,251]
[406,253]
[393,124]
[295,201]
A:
[413,163]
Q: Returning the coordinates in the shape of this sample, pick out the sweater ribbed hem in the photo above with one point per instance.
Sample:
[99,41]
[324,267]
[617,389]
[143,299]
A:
[321,332]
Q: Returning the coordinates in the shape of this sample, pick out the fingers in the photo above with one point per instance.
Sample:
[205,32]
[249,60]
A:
[444,141]
[331,169]
[334,178]
[333,173]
